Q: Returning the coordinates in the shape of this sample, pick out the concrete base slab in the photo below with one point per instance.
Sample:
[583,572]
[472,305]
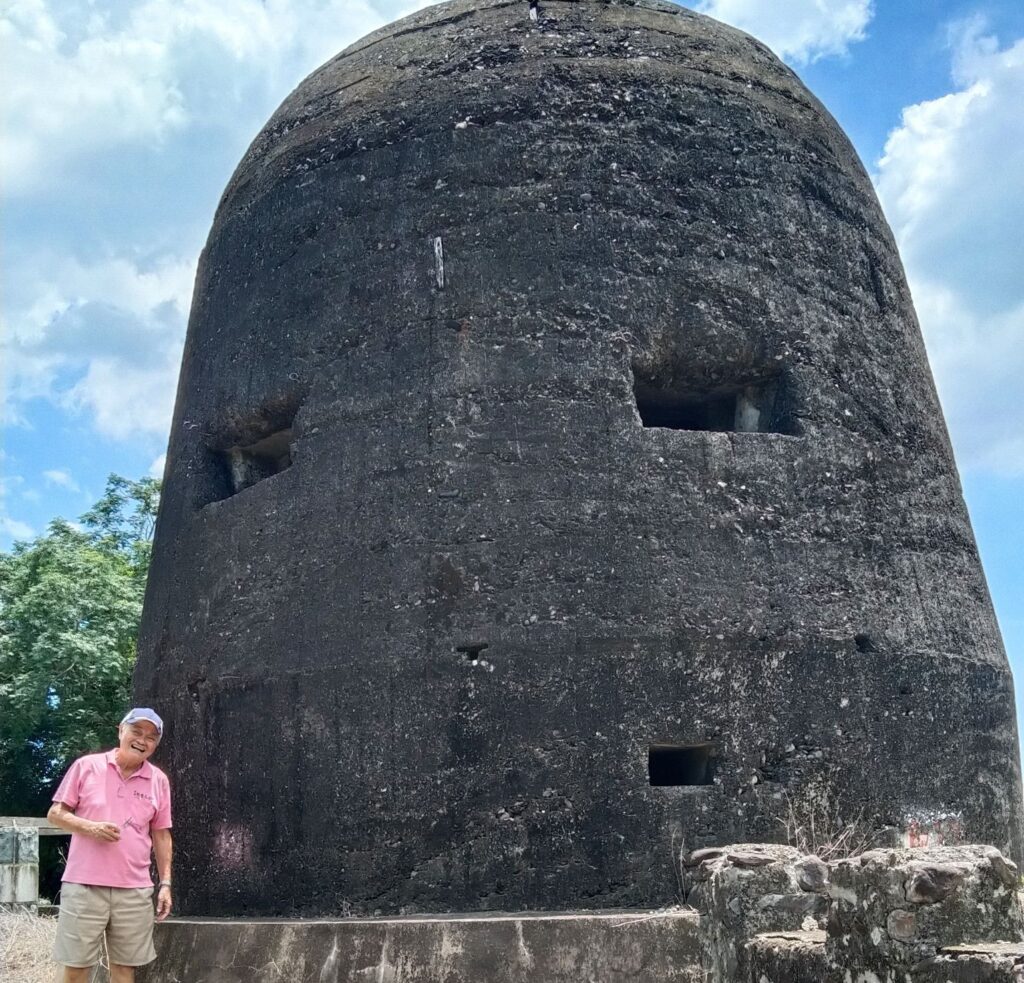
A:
[576,947]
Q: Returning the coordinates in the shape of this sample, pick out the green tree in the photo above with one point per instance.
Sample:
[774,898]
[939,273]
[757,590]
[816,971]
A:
[70,603]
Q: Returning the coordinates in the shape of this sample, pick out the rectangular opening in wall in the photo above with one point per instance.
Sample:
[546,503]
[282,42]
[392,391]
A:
[681,764]
[246,465]
[246,446]
[753,406]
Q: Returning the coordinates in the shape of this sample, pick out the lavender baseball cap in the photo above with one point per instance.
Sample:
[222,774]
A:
[144,713]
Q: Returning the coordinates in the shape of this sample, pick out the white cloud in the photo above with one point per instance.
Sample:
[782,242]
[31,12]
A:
[123,403]
[801,30]
[103,338]
[14,528]
[978,363]
[952,184]
[105,91]
[90,82]
[62,479]
[84,78]
[10,527]
[156,469]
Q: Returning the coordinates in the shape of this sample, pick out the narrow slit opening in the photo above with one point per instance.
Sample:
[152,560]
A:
[753,406]
[681,764]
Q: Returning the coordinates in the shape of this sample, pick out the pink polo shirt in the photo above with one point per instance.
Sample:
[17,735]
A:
[94,789]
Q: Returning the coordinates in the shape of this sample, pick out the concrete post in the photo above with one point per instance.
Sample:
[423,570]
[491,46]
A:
[19,865]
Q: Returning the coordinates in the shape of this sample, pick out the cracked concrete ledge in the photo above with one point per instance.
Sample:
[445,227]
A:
[612,946]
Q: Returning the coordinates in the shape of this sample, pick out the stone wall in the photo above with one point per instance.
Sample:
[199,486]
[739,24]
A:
[993,963]
[747,890]
[893,909]
[943,915]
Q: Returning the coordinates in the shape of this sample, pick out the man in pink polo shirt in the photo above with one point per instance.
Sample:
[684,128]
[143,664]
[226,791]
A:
[117,807]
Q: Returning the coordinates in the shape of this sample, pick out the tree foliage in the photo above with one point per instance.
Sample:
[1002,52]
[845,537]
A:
[70,603]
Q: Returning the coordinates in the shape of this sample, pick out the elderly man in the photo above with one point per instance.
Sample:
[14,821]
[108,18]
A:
[117,807]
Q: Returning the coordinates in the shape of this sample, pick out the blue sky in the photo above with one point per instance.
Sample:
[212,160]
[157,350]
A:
[123,121]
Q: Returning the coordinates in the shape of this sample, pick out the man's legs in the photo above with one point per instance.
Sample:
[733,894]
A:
[84,912]
[130,932]
[118,974]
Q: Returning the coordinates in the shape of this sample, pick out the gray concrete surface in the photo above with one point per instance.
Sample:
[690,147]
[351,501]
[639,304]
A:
[612,947]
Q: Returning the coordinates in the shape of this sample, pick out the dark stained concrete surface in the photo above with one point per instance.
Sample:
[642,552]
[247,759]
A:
[616,947]
[556,482]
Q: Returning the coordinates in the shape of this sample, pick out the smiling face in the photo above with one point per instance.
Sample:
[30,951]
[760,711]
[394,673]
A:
[136,743]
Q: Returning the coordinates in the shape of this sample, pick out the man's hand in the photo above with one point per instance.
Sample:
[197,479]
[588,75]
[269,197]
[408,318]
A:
[63,816]
[163,903]
[104,832]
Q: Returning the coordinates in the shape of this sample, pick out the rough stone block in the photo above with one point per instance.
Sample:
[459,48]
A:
[27,845]
[894,909]
[991,963]
[786,957]
[745,891]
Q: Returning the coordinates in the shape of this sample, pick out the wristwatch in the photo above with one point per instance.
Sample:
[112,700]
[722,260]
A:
[163,884]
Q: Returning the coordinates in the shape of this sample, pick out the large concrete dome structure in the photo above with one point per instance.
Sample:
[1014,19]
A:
[556,482]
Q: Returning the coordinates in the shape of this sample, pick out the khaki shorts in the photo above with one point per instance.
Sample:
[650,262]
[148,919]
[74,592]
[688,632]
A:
[123,914]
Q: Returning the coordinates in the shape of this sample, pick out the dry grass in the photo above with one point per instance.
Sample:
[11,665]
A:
[26,941]
[814,822]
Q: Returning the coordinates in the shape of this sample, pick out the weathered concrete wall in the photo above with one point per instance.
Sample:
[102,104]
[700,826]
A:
[627,947]
[426,589]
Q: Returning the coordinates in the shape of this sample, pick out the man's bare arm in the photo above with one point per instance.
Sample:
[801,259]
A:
[163,848]
[63,816]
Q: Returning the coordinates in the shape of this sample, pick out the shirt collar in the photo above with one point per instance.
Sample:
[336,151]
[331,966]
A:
[146,771]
